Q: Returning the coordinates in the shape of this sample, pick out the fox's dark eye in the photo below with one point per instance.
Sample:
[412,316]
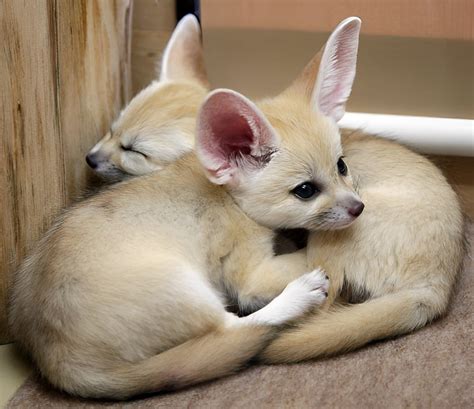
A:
[305,191]
[342,167]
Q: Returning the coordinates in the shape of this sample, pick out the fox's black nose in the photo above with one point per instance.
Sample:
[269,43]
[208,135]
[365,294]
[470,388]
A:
[91,160]
[356,210]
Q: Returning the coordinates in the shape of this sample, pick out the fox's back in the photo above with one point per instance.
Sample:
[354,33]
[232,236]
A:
[144,211]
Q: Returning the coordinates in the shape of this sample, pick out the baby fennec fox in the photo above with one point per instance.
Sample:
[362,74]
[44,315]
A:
[125,294]
[397,264]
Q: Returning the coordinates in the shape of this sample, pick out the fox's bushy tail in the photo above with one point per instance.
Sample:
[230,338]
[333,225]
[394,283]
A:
[344,328]
[218,353]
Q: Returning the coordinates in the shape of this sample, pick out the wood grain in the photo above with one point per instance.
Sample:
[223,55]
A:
[448,19]
[64,75]
[32,162]
[94,77]
[153,23]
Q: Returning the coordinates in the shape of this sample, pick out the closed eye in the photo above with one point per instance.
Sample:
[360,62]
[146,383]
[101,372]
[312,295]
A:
[130,149]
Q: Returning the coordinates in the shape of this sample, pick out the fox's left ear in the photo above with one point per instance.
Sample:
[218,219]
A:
[233,137]
[327,79]
[183,58]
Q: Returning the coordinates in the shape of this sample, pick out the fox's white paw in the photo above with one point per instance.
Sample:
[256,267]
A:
[309,290]
[298,297]
[308,286]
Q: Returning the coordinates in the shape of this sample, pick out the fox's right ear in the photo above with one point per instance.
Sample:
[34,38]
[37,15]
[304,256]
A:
[327,80]
[183,58]
[233,137]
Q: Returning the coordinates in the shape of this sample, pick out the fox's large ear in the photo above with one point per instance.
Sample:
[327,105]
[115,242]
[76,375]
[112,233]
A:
[183,58]
[233,137]
[327,79]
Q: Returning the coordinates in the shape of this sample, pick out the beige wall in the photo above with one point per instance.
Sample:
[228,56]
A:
[411,76]
[445,19]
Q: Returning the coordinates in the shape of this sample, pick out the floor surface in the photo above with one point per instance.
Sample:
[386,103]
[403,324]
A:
[14,369]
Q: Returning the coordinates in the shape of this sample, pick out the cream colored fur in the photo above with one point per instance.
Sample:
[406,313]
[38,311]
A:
[396,264]
[157,127]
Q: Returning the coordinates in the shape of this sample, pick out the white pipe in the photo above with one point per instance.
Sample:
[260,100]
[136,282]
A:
[441,136]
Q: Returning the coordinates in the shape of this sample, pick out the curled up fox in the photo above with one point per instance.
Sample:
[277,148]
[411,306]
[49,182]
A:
[126,294]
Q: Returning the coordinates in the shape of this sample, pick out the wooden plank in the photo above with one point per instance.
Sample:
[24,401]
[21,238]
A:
[64,75]
[153,23]
[93,78]
[32,163]
[154,15]
[147,49]
[449,19]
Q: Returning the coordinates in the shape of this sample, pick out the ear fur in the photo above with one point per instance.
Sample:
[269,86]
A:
[233,137]
[183,57]
[337,69]
[327,79]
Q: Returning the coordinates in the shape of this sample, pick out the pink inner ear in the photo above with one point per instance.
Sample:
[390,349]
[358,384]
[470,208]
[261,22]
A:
[231,136]
[335,89]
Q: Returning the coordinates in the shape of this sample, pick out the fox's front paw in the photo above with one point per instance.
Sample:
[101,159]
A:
[309,290]
[298,297]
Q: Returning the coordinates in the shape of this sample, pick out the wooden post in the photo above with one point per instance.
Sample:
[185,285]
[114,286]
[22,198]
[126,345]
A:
[153,23]
[64,75]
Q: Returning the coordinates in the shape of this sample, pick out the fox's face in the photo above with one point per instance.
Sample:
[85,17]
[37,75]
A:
[158,125]
[282,159]
[156,128]
[306,183]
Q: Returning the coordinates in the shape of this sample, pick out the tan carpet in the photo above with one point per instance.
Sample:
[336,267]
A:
[431,368]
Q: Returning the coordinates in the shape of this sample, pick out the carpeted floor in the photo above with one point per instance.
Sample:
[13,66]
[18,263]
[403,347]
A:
[431,368]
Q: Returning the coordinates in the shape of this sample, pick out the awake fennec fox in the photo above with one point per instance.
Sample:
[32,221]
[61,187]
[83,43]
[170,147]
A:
[157,126]
[125,295]
[398,263]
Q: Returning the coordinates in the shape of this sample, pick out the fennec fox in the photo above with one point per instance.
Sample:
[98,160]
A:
[398,262]
[157,127]
[123,295]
